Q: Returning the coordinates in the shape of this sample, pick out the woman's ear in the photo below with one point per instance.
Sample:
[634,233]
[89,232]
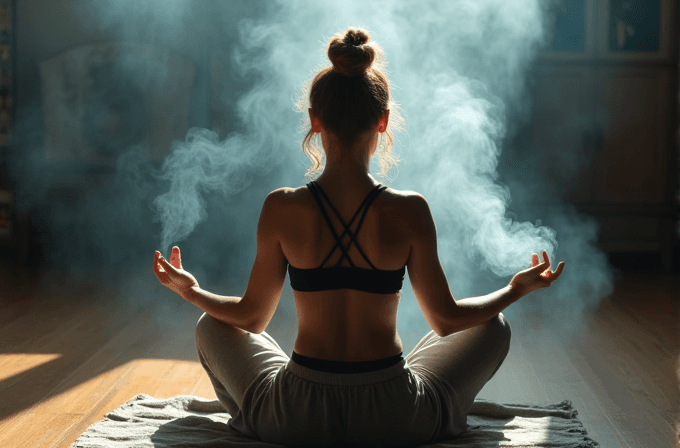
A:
[384,120]
[314,121]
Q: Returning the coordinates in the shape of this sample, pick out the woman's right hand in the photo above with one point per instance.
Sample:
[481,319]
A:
[537,276]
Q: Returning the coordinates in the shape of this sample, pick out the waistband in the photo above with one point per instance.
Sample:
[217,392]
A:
[324,365]
[398,367]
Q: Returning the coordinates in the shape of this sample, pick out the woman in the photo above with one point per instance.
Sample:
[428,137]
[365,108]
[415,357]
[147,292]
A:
[347,379]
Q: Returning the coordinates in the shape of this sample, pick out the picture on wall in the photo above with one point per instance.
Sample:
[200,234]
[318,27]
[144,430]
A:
[100,100]
[634,25]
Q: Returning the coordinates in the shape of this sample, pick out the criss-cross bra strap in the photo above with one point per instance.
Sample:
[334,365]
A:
[372,197]
[367,203]
[338,240]
[364,205]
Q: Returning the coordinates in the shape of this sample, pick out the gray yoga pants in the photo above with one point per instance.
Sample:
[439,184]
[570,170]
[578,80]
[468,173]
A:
[424,398]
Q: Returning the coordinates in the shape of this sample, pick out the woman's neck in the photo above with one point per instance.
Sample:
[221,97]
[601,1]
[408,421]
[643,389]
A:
[336,174]
[348,165]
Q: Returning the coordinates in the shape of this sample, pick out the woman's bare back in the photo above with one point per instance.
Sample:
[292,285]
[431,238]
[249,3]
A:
[346,325]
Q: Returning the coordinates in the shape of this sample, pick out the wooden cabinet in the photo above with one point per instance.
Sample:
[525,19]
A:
[562,122]
[636,102]
[604,101]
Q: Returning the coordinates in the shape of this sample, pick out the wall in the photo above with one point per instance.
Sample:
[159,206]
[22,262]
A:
[45,29]
[48,28]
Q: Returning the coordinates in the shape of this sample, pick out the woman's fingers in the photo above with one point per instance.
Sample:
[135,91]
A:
[164,263]
[161,274]
[558,271]
[538,268]
[552,275]
[542,269]
[175,258]
[546,258]
[156,264]
[164,268]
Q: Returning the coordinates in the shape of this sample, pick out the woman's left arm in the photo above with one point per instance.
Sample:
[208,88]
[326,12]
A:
[254,311]
[223,308]
[174,277]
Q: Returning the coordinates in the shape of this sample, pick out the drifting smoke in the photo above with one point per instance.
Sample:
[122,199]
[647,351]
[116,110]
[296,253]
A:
[460,71]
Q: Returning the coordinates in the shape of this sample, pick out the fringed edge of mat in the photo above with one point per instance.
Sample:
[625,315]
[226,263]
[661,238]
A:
[498,410]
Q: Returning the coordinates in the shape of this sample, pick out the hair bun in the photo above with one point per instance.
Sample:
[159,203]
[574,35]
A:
[356,36]
[351,52]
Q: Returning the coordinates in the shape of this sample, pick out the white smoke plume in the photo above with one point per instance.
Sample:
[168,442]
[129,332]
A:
[460,72]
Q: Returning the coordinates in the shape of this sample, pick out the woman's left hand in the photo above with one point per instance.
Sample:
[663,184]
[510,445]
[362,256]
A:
[172,274]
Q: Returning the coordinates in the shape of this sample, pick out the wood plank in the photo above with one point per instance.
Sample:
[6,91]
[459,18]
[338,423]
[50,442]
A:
[52,424]
[157,377]
[14,364]
[94,414]
[561,374]
[652,366]
[603,364]
[80,389]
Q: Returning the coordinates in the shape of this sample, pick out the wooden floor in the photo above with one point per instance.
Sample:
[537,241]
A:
[70,352]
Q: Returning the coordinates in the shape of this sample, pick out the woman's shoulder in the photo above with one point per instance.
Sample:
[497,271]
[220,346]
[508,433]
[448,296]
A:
[285,194]
[404,194]
[302,192]
[397,205]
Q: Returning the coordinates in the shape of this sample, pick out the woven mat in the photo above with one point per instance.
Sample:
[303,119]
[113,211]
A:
[189,421]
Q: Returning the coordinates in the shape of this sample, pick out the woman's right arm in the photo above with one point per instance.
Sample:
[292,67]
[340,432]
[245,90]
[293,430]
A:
[445,314]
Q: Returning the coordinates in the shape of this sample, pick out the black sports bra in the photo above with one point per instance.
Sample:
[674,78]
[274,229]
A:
[340,277]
